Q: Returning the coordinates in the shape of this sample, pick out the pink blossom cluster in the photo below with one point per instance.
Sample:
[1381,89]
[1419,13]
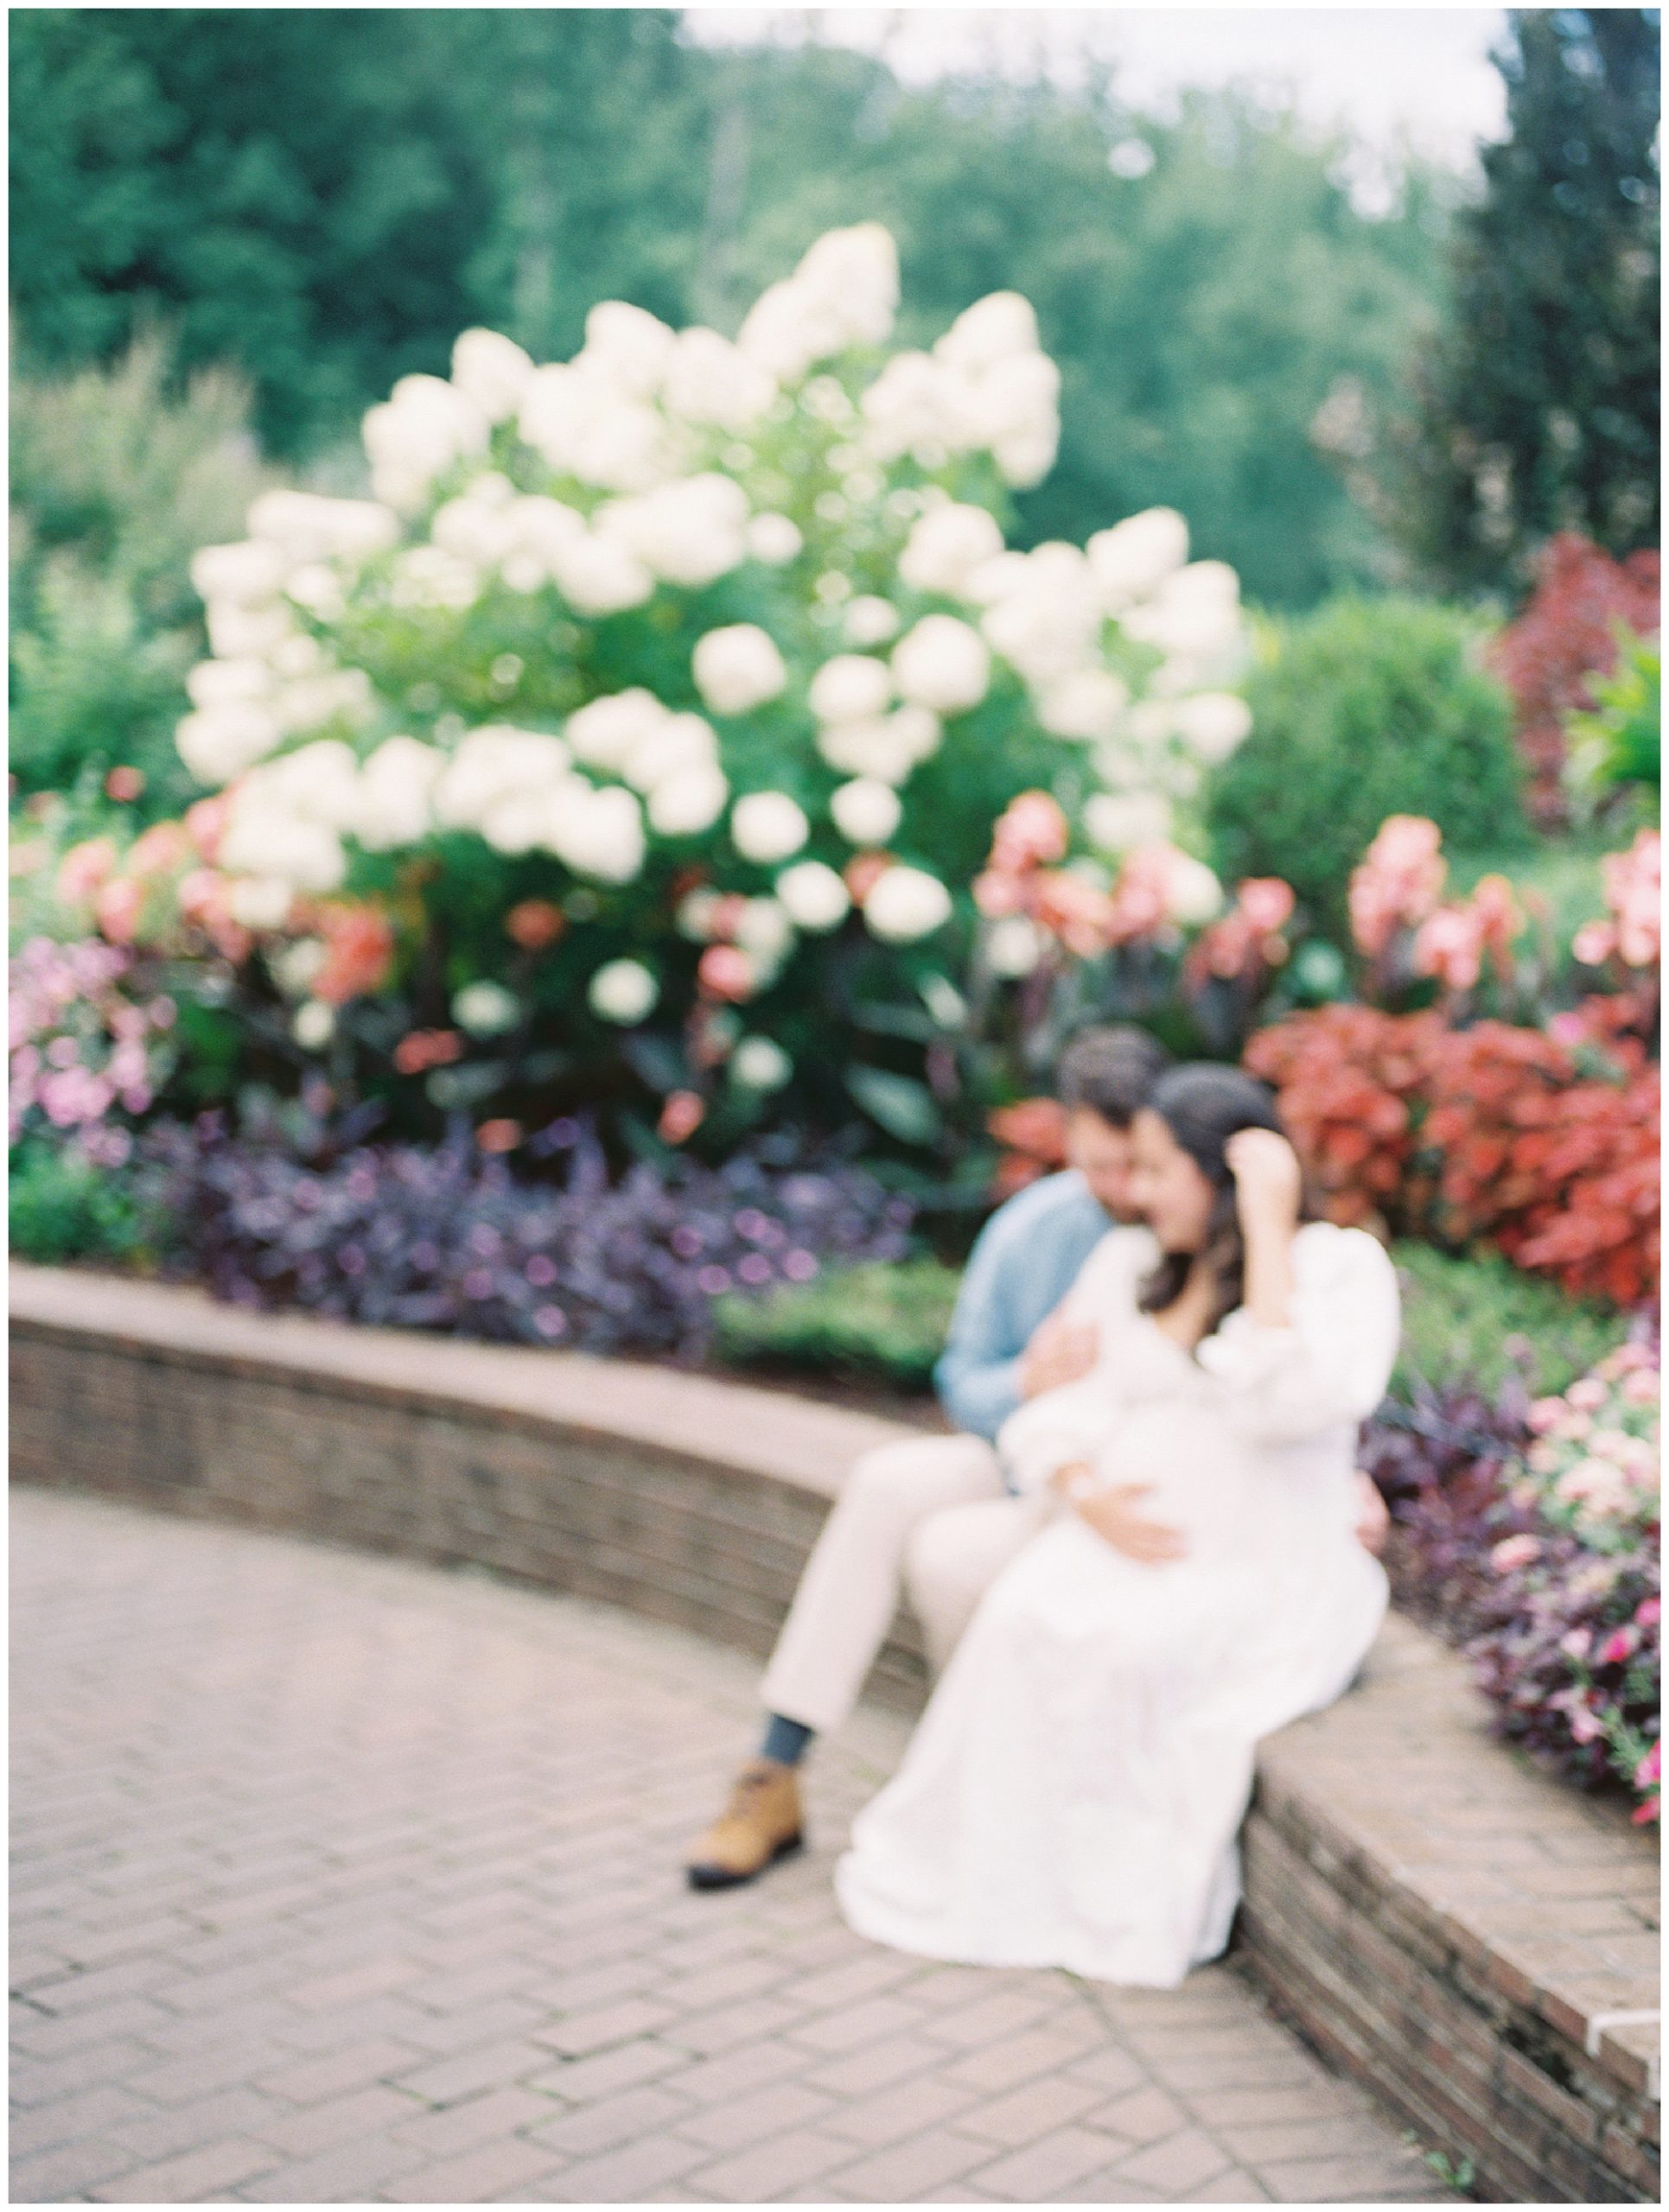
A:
[1633,888]
[81,1046]
[1397,883]
[1158,889]
[1453,942]
[1249,937]
[166,875]
[1594,1466]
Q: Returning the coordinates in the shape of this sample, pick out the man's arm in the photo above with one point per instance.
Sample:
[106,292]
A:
[978,1377]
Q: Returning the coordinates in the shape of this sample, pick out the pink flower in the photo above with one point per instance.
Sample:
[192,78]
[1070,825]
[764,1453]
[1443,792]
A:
[1450,946]
[1544,1413]
[1648,1775]
[1575,1642]
[72,1094]
[1514,1552]
[1587,1395]
[83,868]
[724,971]
[1642,1387]
[1399,883]
[1031,832]
[997,894]
[1594,944]
[1585,1726]
[1648,1612]
[164,847]
[206,823]
[1267,903]
[1617,1647]
[117,907]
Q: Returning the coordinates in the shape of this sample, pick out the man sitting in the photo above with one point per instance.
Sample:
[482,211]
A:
[933,1514]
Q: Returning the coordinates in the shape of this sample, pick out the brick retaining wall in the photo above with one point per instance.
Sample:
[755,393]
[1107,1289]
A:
[1444,1922]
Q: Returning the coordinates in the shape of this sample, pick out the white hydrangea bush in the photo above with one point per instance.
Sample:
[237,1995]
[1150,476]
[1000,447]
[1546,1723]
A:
[715,649]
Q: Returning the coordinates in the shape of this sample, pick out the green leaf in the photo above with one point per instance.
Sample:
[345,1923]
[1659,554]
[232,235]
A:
[904,1108]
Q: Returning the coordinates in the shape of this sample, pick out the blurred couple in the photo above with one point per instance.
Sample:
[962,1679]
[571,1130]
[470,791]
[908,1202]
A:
[1148,1548]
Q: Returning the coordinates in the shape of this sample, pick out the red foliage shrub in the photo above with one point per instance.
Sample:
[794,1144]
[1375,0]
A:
[1565,634]
[1035,1132]
[1350,1081]
[1492,1133]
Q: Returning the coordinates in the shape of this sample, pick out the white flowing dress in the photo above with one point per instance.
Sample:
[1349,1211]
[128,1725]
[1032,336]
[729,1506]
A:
[1073,1794]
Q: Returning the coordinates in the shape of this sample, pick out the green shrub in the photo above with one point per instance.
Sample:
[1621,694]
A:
[1463,1320]
[117,480]
[872,1323]
[1364,709]
[63,1206]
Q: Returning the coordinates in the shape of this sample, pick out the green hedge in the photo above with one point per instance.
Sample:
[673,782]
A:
[1364,709]
[872,1323]
[63,1207]
[1463,1319]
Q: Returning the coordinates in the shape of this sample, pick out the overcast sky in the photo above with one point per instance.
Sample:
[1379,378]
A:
[1386,73]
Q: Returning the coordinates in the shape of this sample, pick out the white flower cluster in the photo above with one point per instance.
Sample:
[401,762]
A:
[986,387]
[843,294]
[541,502]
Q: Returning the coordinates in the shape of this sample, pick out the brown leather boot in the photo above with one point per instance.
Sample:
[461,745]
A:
[761,1824]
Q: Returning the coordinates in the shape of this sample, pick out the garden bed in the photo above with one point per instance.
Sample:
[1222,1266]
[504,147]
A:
[1436,1916]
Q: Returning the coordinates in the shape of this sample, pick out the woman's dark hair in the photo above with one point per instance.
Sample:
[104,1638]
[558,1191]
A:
[1203,1106]
[1111,1070]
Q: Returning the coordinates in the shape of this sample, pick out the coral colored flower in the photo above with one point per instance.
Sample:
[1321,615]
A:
[358,952]
[83,868]
[863,872]
[681,1117]
[724,971]
[206,823]
[997,894]
[1037,1127]
[202,899]
[165,846]
[1031,832]
[117,907]
[1080,915]
[124,784]
[421,1049]
[1399,881]
[534,923]
[502,1135]
[1514,1552]
[1266,902]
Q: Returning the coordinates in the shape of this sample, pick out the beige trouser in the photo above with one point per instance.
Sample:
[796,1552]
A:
[929,1516]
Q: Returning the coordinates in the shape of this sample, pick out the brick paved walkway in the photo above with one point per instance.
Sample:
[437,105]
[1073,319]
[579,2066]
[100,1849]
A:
[339,1879]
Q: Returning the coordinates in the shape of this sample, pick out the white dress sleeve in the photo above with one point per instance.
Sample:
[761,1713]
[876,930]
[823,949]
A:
[1050,1431]
[1329,1365]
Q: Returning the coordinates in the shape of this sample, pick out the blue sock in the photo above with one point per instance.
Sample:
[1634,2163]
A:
[785,1740]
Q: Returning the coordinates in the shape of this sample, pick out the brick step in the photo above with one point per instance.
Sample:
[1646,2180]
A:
[1445,1923]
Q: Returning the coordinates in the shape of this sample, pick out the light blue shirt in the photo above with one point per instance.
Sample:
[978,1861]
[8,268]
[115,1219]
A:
[1022,1264]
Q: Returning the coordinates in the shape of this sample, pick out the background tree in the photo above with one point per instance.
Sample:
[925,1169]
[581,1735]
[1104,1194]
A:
[1536,406]
[324,198]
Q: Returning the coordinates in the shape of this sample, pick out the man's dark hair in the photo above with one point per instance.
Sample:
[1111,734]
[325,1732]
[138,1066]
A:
[1111,1070]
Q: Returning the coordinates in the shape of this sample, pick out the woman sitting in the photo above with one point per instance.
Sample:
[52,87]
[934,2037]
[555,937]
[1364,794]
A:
[1074,1791]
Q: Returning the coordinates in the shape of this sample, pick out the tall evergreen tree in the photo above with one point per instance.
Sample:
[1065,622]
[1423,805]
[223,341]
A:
[1536,406]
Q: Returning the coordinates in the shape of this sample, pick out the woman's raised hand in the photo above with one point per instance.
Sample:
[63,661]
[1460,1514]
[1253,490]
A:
[1267,1181]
